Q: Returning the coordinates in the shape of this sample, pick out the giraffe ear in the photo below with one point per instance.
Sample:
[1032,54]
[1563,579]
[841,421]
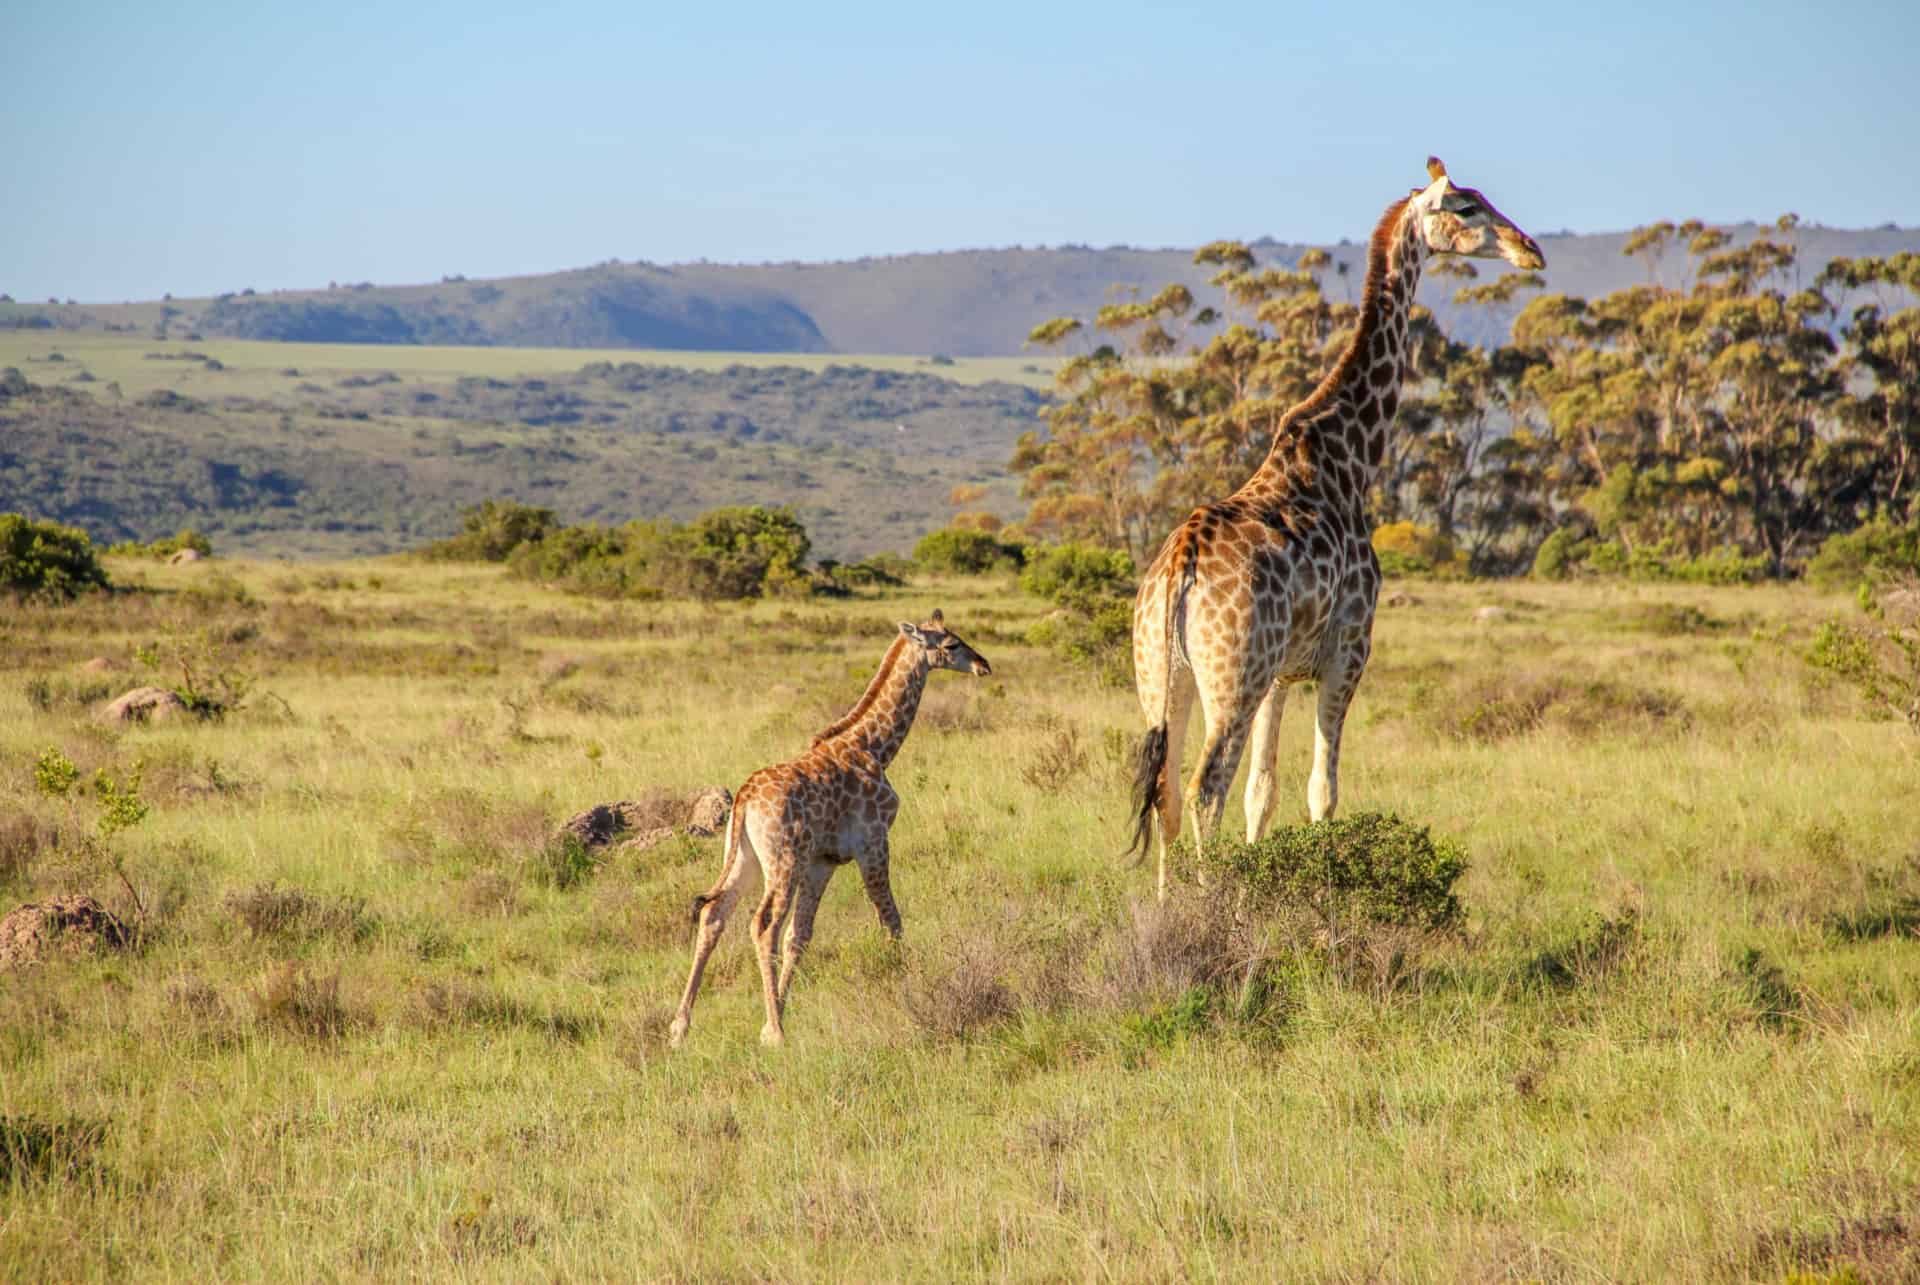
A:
[1436,168]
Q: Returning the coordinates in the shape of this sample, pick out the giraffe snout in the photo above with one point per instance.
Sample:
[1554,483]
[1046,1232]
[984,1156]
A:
[980,666]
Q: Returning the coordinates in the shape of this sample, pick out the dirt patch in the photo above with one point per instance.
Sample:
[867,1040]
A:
[69,927]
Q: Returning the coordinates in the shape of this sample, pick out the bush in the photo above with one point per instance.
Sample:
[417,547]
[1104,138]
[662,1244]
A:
[1408,549]
[1372,868]
[47,561]
[1066,573]
[1879,547]
[739,552]
[1880,656]
[491,531]
[162,549]
[966,552]
[1566,553]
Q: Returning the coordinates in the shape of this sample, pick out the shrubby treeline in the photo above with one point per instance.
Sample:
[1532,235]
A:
[1720,427]
[741,551]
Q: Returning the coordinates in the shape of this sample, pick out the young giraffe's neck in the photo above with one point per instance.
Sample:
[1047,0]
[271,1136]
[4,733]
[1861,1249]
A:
[879,721]
[1339,433]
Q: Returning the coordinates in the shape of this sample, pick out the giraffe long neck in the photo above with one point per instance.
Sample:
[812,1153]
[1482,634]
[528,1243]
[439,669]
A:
[1339,433]
[879,721]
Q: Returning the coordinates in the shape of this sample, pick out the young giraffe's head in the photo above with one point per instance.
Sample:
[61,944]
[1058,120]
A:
[1458,220]
[944,650]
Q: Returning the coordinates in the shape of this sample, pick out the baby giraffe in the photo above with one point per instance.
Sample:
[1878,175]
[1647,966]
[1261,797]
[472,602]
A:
[798,822]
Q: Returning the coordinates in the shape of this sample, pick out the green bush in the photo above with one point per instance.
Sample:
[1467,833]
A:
[1879,657]
[1879,547]
[1408,549]
[1567,553]
[1066,573]
[162,549]
[740,552]
[1372,868]
[966,552]
[45,560]
[491,531]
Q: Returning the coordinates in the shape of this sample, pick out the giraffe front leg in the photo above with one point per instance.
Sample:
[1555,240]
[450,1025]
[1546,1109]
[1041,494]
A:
[813,883]
[1336,693]
[873,874]
[1265,750]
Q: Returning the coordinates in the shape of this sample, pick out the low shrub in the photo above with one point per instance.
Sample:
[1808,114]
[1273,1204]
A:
[1878,655]
[1067,573]
[966,551]
[491,530]
[162,549]
[1408,549]
[45,561]
[1370,868]
[1880,547]
[1566,553]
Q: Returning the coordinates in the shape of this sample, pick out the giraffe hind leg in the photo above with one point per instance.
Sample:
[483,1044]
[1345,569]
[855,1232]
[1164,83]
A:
[710,911]
[1265,748]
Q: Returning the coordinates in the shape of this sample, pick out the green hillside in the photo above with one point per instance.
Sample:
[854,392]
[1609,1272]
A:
[305,449]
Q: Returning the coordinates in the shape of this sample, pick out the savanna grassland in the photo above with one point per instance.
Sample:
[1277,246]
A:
[374,1027]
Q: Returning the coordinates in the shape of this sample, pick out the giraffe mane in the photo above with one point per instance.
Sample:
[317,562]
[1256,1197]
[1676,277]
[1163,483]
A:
[881,678]
[1378,247]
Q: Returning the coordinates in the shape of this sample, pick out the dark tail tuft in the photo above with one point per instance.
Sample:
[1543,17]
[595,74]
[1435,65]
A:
[1148,770]
[700,901]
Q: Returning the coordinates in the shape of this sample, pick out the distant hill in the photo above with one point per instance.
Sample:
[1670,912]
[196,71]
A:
[962,303]
[273,459]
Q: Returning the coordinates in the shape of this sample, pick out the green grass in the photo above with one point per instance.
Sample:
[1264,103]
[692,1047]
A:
[1679,1037]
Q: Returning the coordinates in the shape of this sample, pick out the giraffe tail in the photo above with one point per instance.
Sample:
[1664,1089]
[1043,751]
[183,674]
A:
[1150,766]
[1149,769]
[732,847]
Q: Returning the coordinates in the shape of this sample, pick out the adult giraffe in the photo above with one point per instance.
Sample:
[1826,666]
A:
[1276,583]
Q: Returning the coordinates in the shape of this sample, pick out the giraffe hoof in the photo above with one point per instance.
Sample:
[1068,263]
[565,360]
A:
[772,1036]
[677,1032]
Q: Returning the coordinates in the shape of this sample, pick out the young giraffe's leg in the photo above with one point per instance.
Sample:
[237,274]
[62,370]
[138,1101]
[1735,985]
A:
[873,873]
[813,882]
[741,863]
[782,874]
[1265,749]
[1339,679]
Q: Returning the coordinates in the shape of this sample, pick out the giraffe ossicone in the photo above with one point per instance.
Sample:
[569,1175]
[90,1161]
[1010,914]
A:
[1277,583]
[796,823]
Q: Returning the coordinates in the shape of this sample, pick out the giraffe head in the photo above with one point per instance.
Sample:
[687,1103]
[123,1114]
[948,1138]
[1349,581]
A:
[944,650]
[1458,220]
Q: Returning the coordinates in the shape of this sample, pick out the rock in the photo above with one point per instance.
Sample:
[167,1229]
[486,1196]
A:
[69,926]
[143,705]
[711,808]
[180,556]
[600,823]
[1401,599]
[652,838]
[101,665]
[648,821]
[1488,615]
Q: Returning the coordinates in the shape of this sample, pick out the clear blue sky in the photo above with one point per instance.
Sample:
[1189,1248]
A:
[214,146]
